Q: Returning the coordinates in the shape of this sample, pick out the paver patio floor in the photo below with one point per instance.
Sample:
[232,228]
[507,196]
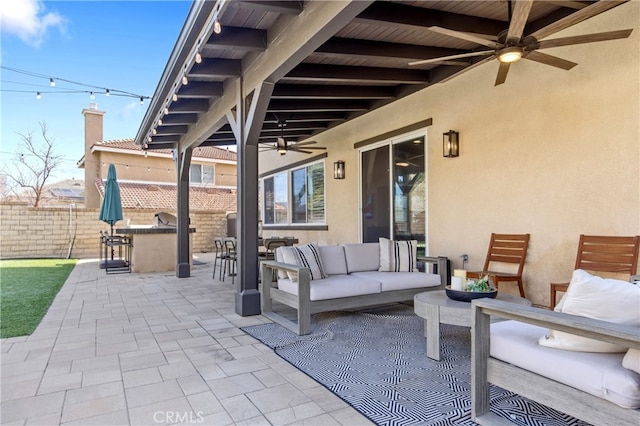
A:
[151,349]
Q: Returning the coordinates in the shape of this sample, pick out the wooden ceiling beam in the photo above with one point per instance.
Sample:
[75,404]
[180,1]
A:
[310,91]
[246,39]
[316,105]
[306,117]
[349,74]
[418,18]
[369,49]
[176,119]
[200,89]
[280,7]
[171,130]
[219,68]
[188,105]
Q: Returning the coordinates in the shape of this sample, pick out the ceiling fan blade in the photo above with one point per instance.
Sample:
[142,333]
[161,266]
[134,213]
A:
[587,38]
[446,58]
[519,19]
[502,73]
[305,143]
[301,150]
[546,59]
[576,17]
[465,36]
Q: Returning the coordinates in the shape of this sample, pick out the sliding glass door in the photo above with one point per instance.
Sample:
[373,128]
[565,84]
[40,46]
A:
[393,202]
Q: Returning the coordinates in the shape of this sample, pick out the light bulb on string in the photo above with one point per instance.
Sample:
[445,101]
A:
[166,110]
[160,122]
[198,58]
[107,92]
[92,96]
[141,100]
[145,153]
[38,95]
[52,82]
[175,97]
[185,81]
[217,28]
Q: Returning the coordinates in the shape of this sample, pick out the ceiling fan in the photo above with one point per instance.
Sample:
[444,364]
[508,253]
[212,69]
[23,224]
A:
[510,46]
[282,145]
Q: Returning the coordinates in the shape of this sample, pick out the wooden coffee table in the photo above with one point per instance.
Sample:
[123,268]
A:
[436,308]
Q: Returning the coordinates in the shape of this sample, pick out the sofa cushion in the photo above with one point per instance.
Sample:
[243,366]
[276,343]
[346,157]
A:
[599,374]
[401,280]
[599,298]
[362,257]
[333,287]
[306,256]
[333,260]
[398,256]
[280,258]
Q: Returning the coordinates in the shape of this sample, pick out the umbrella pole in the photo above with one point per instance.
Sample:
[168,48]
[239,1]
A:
[112,249]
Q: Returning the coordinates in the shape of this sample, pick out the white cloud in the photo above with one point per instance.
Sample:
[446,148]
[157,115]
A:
[28,20]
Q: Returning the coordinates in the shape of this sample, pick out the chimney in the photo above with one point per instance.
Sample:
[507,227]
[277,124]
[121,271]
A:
[93,119]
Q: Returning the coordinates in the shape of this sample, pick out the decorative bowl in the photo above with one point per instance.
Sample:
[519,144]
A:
[468,296]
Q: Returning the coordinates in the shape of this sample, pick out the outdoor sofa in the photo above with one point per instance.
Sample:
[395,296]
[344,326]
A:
[351,279]
[594,387]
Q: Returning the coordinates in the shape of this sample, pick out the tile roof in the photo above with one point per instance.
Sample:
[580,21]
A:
[209,152]
[163,196]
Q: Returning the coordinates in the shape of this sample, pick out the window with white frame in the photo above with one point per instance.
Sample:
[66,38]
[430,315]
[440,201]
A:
[201,174]
[294,196]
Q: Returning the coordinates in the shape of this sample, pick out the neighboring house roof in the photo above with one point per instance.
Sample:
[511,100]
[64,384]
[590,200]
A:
[163,196]
[56,194]
[209,152]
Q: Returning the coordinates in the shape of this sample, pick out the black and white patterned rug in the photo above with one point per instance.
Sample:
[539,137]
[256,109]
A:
[376,361]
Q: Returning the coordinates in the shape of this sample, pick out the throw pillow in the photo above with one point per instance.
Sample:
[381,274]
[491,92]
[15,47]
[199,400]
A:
[631,360]
[307,256]
[604,299]
[398,256]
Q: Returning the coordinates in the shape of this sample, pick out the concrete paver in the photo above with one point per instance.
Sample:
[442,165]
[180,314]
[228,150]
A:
[153,349]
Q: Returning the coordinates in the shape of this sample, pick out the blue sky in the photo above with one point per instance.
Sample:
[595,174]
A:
[120,45]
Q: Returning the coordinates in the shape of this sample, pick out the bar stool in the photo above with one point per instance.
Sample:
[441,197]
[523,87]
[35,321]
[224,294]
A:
[231,256]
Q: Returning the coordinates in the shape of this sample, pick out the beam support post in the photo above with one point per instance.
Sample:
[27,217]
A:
[183,255]
[246,124]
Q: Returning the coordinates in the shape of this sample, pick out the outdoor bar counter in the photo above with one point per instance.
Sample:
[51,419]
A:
[153,249]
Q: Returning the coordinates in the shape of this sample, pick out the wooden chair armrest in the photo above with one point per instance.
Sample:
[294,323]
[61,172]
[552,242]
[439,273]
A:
[441,263]
[619,334]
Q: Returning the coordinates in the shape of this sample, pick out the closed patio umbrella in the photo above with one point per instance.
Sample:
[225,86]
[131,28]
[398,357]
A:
[111,209]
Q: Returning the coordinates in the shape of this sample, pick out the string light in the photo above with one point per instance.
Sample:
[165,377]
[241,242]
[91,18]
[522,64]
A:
[184,80]
[217,28]
[175,97]
[59,90]
[141,100]
[159,121]
[198,58]
[166,110]
[38,95]
[92,96]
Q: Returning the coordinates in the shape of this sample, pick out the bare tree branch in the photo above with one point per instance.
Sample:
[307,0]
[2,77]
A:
[34,163]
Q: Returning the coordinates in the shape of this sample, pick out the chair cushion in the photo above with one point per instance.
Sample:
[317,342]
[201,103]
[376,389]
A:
[398,256]
[306,256]
[631,360]
[599,298]
[599,374]
[333,260]
[333,287]
[401,280]
[362,257]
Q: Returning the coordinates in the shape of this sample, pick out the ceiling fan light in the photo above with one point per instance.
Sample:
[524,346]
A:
[510,54]
[282,146]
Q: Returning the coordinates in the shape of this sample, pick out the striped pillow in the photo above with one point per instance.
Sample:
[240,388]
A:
[398,256]
[307,256]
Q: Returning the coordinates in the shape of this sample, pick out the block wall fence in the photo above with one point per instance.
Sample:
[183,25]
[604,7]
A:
[27,232]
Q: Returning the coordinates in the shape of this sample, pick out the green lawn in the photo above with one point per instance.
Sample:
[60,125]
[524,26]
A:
[27,288]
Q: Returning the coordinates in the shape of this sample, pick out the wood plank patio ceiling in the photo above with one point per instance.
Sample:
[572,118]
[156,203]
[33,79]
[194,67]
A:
[363,66]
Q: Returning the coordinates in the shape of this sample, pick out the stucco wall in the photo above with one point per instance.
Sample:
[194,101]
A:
[46,232]
[553,153]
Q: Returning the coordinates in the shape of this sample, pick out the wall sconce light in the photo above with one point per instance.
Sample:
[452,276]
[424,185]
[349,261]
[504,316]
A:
[338,170]
[451,144]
